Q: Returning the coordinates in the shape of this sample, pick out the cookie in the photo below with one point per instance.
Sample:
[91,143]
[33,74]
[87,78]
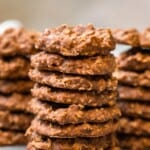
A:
[127,36]
[134,60]
[133,78]
[45,143]
[14,68]
[80,83]
[12,138]
[14,121]
[96,65]
[135,109]
[72,131]
[145,38]
[135,142]
[17,42]
[15,102]
[134,93]
[19,86]
[73,114]
[134,126]
[72,97]
[76,40]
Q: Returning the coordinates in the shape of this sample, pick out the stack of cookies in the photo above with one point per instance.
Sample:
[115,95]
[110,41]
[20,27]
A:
[75,93]
[15,47]
[134,89]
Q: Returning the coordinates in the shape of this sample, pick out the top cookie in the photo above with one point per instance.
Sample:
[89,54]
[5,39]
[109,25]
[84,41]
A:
[76,40]
[126,36]
[17,42]
[145,38]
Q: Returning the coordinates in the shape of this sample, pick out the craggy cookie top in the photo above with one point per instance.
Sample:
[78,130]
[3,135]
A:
[145,38]
[126,36]
[76,40]
[17,42]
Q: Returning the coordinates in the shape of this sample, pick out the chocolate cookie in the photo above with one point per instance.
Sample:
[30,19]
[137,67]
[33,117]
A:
[145,38]
[134,60]
[72,97]
[76,40]
[72,131]
[14,68]
[11,86]
[135,142]
[12,138]
[126,36]
[15,102]
[45,143]
[14,121]
[80,83]
[134,93]
[73,114]
[17,42]
[135,127]
[133,78]
[96,65]
[135,109]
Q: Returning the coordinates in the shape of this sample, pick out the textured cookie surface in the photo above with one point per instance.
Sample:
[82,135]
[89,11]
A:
[80,83]
[17,42]
[73,97]
[12,138]
[145,38]
[19,86]
[126,36]
[135,142]
[133,78]
[73,114]
[15,102]
[135,109]
[134,60]
[77,40]
[135,127]
[14,68]
[96,65]
[72,131]
[45,143]
[134,93]
[14,121]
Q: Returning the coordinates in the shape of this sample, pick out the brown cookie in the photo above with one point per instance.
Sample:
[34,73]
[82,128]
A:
[15,102]
[134,60]
[133,78]
[72,131]
[72,97]
[134,93]
[11,86]
[135,142]
[14,121]
[12,138]
[145,38]
[73,82]
[134,126]
[96,65]
[126,36]
[45,143]
[135,109]
[14,68]
[73,114]
[76,40]
[17,42]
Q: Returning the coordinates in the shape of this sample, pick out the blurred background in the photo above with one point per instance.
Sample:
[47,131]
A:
[39,14]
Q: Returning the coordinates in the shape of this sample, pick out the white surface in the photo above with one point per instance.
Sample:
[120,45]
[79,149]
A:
[9,24]
[120,48]
[13,148]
